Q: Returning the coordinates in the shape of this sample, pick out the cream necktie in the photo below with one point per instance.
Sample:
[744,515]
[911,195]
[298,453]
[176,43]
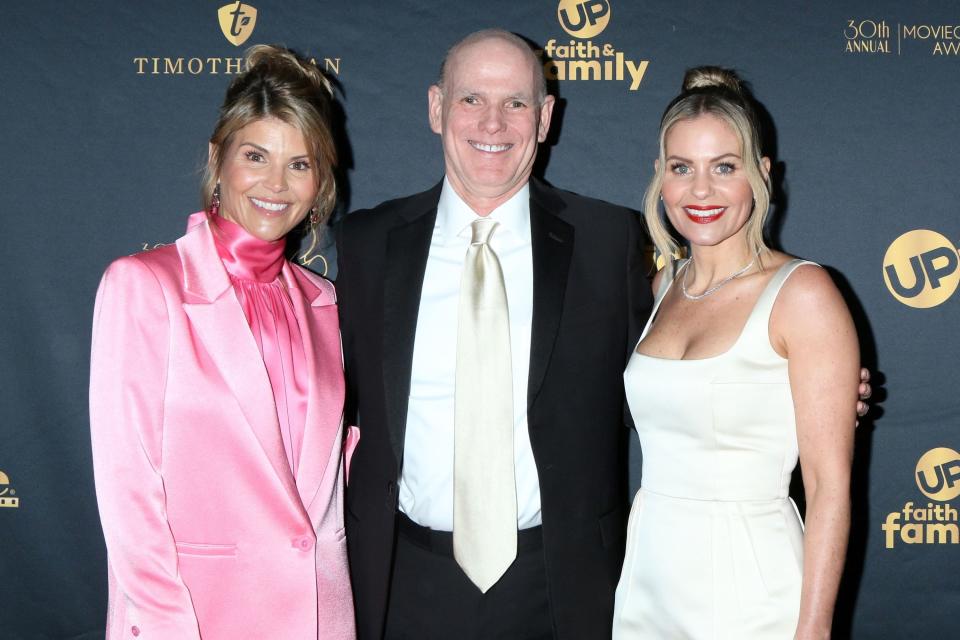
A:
[484,484]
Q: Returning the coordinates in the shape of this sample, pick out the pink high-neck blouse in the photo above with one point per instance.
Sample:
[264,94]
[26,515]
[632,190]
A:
[254,267]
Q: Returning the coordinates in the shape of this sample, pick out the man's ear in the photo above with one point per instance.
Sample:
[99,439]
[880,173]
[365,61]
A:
[546,112]
[435,108]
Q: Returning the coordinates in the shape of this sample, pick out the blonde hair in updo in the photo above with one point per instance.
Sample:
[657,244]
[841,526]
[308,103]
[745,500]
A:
[277,83]
[718,92]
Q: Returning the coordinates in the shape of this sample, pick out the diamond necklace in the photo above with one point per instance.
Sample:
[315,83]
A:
[690,296]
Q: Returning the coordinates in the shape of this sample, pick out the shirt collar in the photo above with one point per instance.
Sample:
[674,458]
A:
[454,216]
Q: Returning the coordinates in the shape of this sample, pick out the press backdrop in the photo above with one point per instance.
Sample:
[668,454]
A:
[105,108]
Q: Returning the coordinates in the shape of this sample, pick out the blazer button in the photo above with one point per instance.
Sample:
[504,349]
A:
[135,630]
[304,543]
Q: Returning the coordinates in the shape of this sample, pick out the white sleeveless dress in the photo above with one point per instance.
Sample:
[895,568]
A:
[714,543]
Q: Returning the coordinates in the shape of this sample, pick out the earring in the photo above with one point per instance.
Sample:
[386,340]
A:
[314,217]
[215,201]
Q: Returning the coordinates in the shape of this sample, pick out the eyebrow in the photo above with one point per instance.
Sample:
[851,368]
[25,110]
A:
[714,159]
[513,96]
[266,152]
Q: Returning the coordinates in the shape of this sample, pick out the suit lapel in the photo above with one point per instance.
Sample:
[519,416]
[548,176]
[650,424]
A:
[552,244]
[405,262]
[218,321]
[317,313]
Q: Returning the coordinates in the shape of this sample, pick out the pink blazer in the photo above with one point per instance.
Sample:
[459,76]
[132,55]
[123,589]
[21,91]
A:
[209,535]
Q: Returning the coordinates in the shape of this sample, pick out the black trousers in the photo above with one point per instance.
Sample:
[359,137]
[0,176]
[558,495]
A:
[432,599]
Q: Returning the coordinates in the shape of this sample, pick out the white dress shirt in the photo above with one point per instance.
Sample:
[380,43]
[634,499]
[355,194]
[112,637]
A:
[426,481]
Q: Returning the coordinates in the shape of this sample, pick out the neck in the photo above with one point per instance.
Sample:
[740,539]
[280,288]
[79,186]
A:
[483,204]
[711,264]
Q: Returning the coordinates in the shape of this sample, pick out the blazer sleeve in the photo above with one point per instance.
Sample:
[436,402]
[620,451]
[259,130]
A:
[128,370]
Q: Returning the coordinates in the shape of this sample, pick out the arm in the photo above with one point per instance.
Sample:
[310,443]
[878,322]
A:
[128,367]
[823,362]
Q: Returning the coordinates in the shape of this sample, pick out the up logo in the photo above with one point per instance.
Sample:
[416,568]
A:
[920,268]
[938,474]
[237,21]
[938,478]
[583,18]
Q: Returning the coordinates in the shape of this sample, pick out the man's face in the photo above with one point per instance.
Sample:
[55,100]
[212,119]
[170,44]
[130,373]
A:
[490,122]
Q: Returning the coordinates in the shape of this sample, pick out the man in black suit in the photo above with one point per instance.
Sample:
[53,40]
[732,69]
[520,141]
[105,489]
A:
[576,293]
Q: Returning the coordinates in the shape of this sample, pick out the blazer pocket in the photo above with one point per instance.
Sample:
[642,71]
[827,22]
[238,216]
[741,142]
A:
[204,549]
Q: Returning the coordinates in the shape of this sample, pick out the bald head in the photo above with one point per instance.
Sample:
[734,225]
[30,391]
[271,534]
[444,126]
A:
[491,111]
[477,37]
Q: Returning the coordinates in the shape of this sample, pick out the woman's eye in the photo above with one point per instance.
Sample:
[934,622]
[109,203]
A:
[725,168]
[300,165]
[680,169]
[254,156]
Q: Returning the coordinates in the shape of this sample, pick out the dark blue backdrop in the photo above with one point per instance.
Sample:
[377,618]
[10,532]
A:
[106,108]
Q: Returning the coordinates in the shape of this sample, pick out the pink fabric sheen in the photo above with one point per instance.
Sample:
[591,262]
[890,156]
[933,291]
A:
[208,533]
[254,267]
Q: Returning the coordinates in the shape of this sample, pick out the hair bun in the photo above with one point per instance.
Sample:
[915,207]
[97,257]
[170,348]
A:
[712,78]
[280,60]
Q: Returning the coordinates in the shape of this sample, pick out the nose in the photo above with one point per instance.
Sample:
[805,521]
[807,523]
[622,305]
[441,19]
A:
[276,179]
[702,184]
[492,120]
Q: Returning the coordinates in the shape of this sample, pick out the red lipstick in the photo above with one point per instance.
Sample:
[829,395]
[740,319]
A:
[704,219]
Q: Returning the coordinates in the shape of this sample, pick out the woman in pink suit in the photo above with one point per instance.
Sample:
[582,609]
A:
[216,392]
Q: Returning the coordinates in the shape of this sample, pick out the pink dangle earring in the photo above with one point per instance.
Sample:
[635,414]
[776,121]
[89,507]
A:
[215,201]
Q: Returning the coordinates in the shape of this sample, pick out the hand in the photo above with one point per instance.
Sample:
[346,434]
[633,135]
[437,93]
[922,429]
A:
[865,391]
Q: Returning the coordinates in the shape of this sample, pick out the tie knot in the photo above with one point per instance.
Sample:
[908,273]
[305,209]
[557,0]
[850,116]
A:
[482,230]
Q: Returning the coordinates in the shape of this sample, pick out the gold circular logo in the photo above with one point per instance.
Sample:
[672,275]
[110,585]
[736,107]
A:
[920,268]
[938,474]
[583,18]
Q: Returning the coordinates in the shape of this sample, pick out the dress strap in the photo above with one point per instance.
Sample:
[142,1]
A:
[665,284]
[759,320]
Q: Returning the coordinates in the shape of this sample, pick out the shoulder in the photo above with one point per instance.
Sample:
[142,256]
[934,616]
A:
[807,284]
[577,203]
[305,276]
[385,213]
[808,305]
[598,223]
[151,264]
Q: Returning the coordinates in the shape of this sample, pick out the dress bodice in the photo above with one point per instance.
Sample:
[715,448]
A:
[718,428]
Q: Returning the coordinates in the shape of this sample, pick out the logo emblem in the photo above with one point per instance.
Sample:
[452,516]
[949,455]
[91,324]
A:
[7,495]
[921,268]
[237,21]
[938,477]
[938,474]
[583,18]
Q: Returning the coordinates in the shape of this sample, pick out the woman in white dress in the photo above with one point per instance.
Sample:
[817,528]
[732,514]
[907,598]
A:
[749,360]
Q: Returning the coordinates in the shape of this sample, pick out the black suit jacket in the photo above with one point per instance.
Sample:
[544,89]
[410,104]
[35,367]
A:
[589,297]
